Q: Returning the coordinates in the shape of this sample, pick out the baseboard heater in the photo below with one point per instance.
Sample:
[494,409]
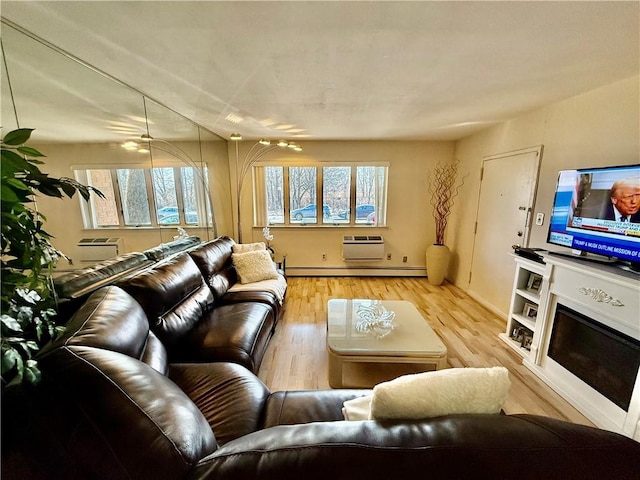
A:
[97,249]
[362,248]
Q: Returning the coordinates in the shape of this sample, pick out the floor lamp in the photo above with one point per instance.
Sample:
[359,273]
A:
[255,153]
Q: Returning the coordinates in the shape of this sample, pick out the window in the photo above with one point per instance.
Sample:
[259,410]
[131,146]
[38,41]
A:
[274,189]
[145,197]
[335,194]
[302,194]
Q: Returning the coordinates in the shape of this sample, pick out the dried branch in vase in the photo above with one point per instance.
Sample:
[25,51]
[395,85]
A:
[443,187]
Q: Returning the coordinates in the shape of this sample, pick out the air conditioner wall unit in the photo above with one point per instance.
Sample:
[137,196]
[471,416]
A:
[362,247]
[98,249]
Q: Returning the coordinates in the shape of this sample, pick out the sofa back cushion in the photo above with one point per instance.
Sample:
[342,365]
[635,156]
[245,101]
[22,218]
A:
[463,446]
[214,261]
[111,319]
[173,295]
[138,420]
[109,370]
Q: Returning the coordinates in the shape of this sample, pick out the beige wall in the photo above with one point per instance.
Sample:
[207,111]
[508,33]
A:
[598,128]
[410,224]
[594,129]
[64,220]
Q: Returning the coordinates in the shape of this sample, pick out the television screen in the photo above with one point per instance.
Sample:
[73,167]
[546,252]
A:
[597,210]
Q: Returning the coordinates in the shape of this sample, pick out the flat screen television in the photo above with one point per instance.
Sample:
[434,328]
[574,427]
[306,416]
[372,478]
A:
[597,211]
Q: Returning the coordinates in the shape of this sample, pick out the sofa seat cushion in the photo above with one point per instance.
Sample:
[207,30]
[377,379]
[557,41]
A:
[305,406]
[265,298]
[275,286]
[230,397]
[237,333]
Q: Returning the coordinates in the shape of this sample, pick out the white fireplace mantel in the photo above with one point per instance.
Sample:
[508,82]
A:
[607,295]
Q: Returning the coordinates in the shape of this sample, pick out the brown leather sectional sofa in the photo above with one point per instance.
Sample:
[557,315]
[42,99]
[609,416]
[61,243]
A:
[155,378]
[73,288]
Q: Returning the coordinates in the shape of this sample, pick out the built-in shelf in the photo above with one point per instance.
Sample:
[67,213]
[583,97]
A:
[522,323]
[533,296]
[514,345]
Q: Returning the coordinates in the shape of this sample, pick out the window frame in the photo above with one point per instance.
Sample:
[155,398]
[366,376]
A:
[260,213]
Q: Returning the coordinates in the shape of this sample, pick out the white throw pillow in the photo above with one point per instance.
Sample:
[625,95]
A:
[247,247]
[254,266]
[443,392]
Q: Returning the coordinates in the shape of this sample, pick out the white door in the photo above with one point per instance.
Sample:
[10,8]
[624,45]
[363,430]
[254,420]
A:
[507,192]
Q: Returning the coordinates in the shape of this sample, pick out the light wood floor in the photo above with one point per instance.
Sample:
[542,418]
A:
[296,358]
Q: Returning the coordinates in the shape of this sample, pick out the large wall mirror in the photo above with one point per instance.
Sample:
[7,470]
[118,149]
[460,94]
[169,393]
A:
[161,173]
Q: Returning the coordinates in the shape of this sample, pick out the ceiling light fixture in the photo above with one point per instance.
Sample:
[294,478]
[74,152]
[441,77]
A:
[282,143]
[234,118]
[236,137]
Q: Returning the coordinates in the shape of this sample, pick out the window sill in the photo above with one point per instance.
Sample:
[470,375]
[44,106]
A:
[144,227]
[308,226]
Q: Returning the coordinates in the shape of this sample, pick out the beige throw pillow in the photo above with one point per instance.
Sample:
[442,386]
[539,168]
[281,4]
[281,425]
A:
[254,266]
[431,394]
[248,247]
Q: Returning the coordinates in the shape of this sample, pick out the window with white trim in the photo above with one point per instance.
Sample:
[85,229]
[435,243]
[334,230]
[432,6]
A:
[145,197]
[328,194]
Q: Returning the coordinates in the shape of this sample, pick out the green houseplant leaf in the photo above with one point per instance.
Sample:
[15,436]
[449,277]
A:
[17,137]
[27,318]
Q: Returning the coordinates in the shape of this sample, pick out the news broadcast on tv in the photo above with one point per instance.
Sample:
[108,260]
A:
[598,210]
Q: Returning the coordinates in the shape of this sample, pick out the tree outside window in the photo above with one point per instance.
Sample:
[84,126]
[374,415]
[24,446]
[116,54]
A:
[351,194]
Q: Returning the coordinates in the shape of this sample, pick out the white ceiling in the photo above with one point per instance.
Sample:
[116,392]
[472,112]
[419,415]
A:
[347,70]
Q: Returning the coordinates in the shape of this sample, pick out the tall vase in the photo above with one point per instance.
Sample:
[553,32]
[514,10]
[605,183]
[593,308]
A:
[437,263]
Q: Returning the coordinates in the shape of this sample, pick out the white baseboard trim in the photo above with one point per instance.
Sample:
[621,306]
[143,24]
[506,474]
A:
[361,271]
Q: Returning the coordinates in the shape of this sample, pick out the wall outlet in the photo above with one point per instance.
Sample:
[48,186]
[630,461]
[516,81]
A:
[539,218]
[404,259]
[388,256]
[324,257]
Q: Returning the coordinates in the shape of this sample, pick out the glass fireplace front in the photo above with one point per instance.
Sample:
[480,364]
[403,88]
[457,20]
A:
[605,359]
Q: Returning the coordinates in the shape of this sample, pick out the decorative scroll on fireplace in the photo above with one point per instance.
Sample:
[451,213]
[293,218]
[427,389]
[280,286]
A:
[605,359]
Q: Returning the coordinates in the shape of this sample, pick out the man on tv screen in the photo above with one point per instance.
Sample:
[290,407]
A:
[623,204]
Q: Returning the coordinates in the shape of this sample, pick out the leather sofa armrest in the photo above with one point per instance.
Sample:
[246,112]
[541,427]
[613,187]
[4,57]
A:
[305,406]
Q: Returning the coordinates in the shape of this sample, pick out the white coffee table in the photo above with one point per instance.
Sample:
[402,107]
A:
[360,360]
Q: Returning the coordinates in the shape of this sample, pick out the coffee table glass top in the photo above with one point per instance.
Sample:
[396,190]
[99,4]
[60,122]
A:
[412,335]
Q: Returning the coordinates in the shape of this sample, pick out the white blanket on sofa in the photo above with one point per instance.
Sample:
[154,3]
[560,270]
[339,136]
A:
[432,394]
[277,286]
